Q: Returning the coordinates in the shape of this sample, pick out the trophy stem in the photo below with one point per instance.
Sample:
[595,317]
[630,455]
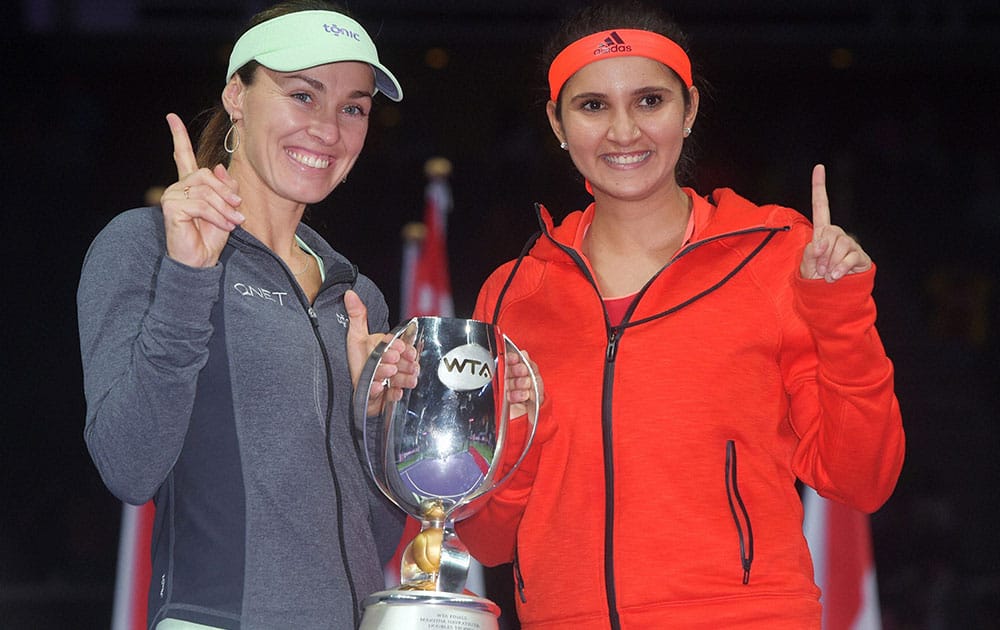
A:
[455,562]
[436,560]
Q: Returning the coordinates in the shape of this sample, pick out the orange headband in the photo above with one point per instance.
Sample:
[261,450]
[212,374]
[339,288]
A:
[617,43]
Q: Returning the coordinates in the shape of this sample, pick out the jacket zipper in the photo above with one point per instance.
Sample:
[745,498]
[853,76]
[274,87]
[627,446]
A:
[742,516]
[614,338]
[328,366]
[607,434]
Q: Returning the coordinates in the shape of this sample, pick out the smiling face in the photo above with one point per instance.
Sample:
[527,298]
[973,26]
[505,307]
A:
[623,120]
[300,132]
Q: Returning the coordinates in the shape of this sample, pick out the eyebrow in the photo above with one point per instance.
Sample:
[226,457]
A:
[313,83]
[649,89]
[319,86]
[640,90]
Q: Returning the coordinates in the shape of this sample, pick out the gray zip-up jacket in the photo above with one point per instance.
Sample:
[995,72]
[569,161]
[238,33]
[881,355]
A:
[225,395]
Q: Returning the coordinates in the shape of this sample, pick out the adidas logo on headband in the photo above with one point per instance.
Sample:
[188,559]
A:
[612,43]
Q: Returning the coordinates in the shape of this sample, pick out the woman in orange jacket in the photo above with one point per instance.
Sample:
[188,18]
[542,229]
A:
[700,354]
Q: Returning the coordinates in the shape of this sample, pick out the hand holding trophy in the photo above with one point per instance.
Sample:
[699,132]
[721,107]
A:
[437,451]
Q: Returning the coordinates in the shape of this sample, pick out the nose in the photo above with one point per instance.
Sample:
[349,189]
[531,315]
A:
[325,129]
[623,128]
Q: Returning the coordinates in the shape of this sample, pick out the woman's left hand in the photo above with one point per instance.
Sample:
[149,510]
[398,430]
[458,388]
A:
[832,253]
[399,367]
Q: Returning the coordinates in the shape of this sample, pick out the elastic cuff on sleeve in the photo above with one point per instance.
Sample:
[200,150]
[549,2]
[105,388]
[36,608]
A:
[185,295]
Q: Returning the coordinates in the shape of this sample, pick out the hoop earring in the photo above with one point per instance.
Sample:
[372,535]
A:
[232,138]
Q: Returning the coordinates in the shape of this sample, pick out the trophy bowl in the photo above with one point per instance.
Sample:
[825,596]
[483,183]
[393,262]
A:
[438,451]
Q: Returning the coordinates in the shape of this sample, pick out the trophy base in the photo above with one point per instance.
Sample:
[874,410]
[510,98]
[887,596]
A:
[417,610]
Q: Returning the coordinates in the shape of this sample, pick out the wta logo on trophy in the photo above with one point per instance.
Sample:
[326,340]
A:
[466,368]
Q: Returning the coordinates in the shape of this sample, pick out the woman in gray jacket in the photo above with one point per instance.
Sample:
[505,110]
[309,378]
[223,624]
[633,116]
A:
[221,338]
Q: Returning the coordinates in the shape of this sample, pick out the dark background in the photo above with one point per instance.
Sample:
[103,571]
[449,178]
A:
[897,97]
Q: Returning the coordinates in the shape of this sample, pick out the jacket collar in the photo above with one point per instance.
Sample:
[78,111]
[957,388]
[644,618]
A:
[717,214]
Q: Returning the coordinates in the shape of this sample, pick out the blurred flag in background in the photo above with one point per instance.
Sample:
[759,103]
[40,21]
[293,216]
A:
[133,569]
[426,284]
[840,542]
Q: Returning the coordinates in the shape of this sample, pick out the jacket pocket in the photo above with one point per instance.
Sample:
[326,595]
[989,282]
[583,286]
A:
[741,517]
[518,578]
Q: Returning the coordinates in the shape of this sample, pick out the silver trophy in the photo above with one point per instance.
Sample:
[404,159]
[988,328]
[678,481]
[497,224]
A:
[437,452]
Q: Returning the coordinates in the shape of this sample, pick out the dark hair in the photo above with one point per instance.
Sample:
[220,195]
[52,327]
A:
[631,14]
[210,141]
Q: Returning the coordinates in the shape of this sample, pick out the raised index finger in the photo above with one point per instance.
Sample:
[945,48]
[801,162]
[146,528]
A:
[820,202]
[183,152]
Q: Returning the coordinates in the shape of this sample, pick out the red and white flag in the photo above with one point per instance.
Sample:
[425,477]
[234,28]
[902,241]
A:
[134,567]
[840,542]
[426,283]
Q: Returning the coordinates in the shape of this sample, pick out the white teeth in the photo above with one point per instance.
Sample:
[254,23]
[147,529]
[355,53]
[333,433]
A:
[626,159]
[308,160]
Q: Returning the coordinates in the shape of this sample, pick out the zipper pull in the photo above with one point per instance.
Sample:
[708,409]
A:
[313,318]
[612,346]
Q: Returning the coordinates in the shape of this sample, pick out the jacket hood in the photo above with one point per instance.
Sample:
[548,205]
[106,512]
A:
[722,212]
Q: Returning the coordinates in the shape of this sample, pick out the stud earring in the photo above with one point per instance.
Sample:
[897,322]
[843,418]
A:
[563,146]
[687,132]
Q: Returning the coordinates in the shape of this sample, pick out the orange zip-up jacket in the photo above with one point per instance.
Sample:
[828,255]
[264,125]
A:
[665,495]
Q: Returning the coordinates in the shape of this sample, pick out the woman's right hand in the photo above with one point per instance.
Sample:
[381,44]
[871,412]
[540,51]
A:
[200,209]
[521,387]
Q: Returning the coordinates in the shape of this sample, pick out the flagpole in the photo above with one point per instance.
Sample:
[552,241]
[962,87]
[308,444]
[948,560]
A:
[437,167]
